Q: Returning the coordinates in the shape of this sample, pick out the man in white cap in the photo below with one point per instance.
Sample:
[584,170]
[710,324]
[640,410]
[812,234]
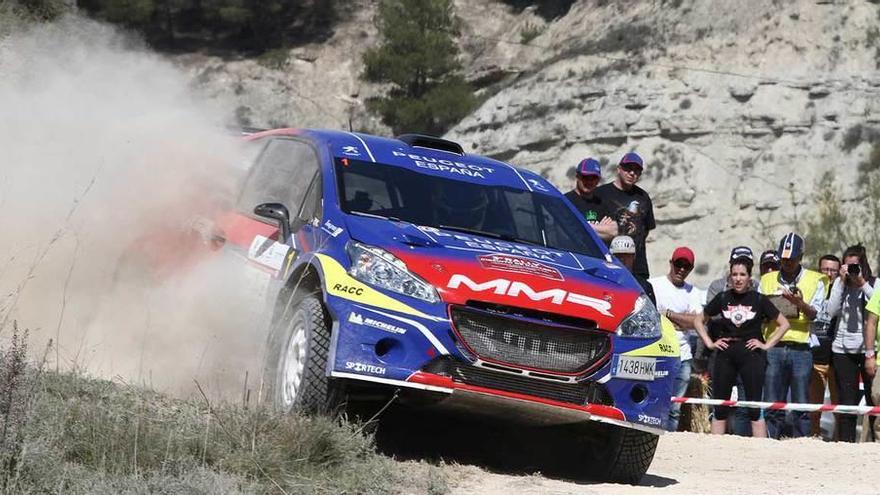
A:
[624,249]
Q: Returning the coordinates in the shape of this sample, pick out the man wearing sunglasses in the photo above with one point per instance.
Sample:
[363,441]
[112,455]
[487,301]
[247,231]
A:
[679,301]
[582,197]
[630,206]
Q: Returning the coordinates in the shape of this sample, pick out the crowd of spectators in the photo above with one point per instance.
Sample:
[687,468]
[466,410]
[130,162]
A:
[788,333]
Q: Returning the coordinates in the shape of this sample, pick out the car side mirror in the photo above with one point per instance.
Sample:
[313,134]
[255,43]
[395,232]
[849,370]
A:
[278,212]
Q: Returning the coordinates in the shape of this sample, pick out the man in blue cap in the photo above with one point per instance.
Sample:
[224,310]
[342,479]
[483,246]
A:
[582,197]
[799,294]
[630,206]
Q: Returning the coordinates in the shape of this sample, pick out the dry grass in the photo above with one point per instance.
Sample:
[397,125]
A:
[63,432]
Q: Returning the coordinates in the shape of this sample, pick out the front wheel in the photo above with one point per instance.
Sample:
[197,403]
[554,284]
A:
[296,365]
[624,455]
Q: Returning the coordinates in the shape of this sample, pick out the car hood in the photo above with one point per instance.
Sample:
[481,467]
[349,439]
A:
[466,267]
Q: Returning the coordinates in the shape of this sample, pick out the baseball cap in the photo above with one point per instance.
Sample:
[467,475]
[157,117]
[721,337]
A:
[741,252]
[633,158]
[683,253]
[769,256]
[790,246]
[623,244]
[589,166]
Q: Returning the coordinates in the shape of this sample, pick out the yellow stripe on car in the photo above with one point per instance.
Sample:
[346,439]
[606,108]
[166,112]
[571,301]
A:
[340,284]
[666,346]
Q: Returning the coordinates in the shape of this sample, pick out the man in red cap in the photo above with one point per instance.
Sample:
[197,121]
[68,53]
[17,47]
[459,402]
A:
[679,301]
[630,206]
[587,175]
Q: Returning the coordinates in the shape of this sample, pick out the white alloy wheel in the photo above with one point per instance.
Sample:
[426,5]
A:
[294,366]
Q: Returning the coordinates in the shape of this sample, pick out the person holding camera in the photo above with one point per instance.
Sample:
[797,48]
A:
[849,295]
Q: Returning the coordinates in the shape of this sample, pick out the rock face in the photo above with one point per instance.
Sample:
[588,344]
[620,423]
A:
[738,108]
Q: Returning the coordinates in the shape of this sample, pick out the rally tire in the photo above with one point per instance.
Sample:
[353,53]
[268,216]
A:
[629,455]
[297,359]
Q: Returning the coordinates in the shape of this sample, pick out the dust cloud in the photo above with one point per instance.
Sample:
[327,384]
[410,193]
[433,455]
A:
[107,158]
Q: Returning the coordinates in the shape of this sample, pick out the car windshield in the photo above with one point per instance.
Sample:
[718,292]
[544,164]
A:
[494,211]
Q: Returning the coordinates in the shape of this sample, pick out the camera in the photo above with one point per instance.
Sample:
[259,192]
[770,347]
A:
[853,269]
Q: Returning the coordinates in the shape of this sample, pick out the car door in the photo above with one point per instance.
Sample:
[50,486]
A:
[283,173]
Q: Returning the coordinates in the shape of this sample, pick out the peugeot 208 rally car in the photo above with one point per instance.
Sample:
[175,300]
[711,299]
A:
[406,264]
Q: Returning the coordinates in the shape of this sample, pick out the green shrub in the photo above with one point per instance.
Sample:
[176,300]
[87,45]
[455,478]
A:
[531,31]
[417,58]
[274,59]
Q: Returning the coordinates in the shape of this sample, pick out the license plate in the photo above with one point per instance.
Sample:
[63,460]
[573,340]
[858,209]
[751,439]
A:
[635,368]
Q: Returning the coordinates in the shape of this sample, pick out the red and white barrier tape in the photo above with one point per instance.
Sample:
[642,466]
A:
[783,406]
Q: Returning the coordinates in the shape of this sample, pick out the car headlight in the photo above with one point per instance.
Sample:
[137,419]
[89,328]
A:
[378,267]
[643,322]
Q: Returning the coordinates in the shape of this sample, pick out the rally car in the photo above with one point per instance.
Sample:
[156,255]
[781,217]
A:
[408,265]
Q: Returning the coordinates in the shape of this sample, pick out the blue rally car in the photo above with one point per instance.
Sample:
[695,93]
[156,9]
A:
[407,265]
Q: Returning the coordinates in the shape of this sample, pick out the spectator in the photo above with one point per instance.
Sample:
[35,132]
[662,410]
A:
[587,176]
[821,335]
[624,249]
[790,363]
[739,348]
[769,262]
[849,295]
[679,301]
[630,206]
[742,419]
[873,311]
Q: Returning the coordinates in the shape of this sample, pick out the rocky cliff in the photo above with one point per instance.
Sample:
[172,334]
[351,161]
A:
[737,107]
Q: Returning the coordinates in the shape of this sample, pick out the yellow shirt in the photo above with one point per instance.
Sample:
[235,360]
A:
[808,282]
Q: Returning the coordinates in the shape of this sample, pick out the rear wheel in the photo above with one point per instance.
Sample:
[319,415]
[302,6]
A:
[296,365]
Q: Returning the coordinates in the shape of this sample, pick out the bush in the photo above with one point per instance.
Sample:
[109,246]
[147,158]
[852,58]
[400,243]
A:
[236,25]
[67,433]
[24,11]
[274,59]
[417,58]
[845,220]
[531,31]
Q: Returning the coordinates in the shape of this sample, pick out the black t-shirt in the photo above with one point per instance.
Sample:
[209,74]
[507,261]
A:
[634,213]
[592,208]
[742,315]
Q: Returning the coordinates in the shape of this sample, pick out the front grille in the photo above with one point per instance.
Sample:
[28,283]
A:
[581,393]
[530,344]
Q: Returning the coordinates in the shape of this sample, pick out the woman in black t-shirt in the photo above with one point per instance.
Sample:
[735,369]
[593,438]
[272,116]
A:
[740,350]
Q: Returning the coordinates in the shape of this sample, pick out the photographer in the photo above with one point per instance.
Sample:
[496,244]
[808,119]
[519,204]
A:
[849,295]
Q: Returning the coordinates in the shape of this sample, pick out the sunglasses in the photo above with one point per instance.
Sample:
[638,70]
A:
[631,168]
[682,264]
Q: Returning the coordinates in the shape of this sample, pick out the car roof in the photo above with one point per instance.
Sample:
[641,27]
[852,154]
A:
[423,159]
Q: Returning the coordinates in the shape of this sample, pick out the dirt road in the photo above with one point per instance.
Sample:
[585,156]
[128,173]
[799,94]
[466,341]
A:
[697,463]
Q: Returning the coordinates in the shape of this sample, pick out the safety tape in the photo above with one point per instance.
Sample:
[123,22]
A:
[782,406]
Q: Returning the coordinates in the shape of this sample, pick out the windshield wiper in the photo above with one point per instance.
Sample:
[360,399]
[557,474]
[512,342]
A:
[493,235]
[372,215]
